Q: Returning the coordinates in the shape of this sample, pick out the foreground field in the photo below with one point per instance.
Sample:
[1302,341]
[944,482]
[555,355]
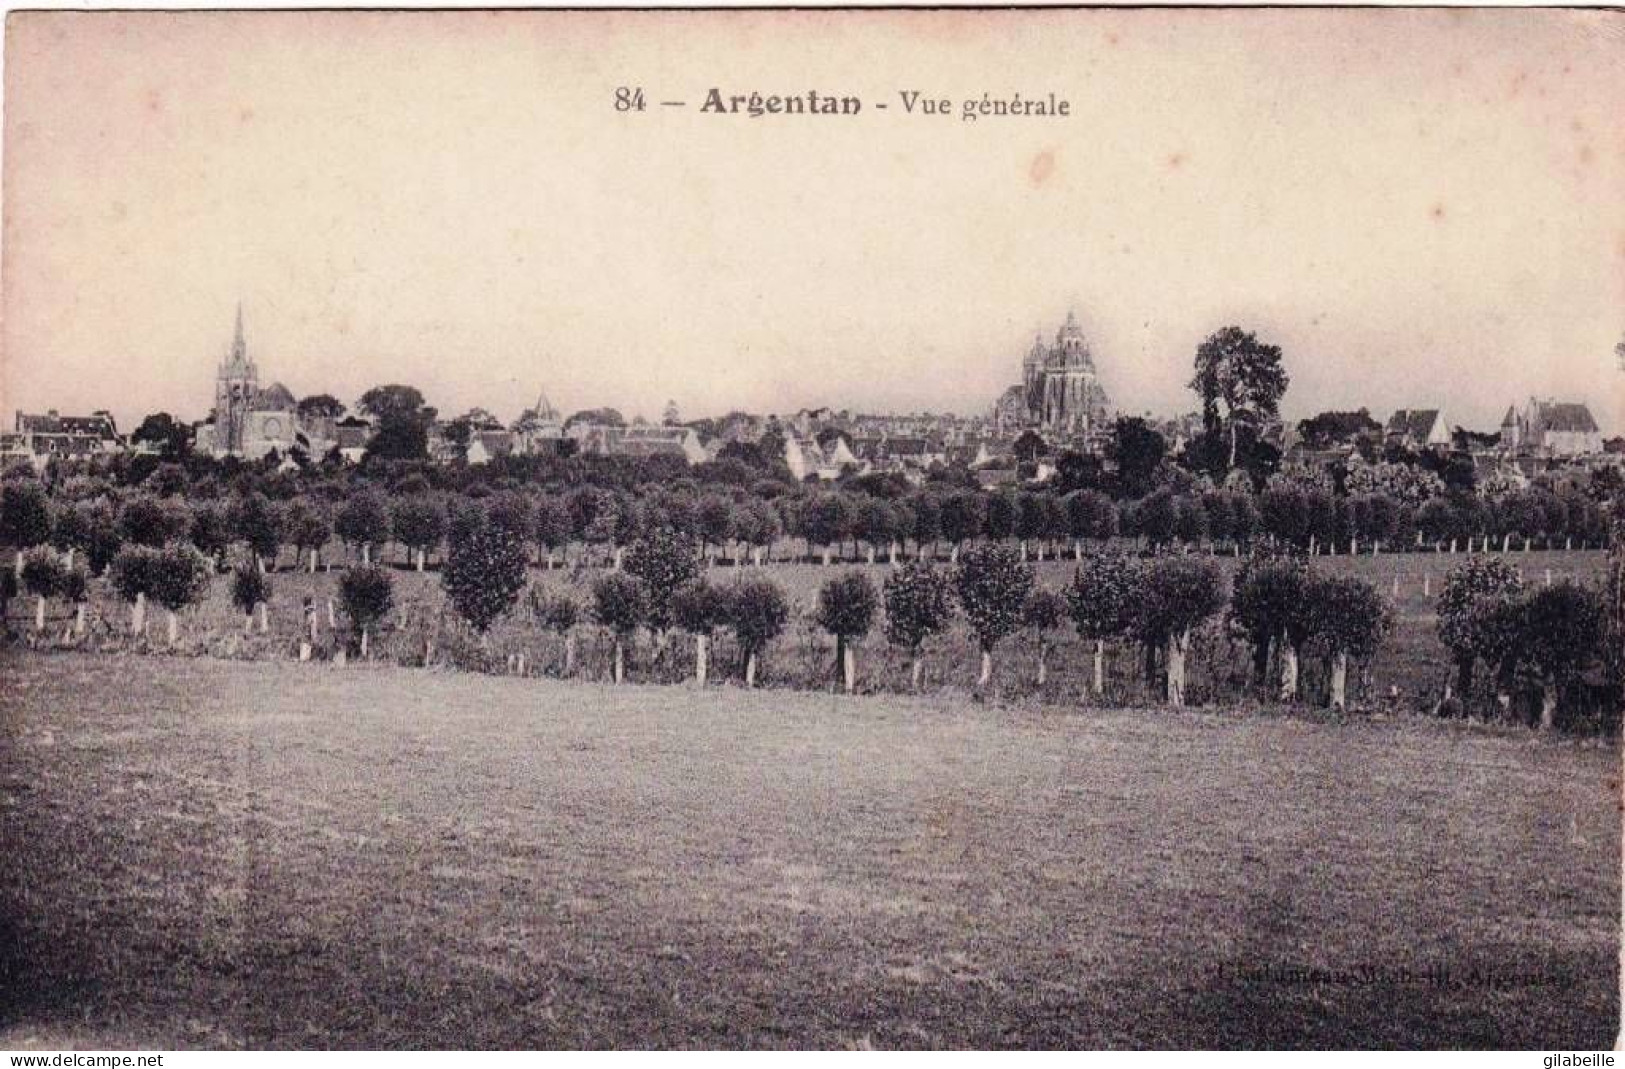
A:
[213,853]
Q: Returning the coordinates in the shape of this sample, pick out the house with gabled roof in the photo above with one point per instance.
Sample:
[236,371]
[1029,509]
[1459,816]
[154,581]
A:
[1551,428]
[1420,428]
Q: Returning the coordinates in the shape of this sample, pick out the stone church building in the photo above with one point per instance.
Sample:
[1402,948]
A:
[1060,391]
[248,421]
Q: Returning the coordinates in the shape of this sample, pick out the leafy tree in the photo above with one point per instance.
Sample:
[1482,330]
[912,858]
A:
[1041,614]
[757,612]
[250,590]
[42,576]
[484,574]
[172,437]
[992,584]
[134,574]
[559,613]
[925,512]
[620,603]
[552,530]
[320,406]
[757,524]
[825,520]
[999,519]
[1137,452]
[1268,605]
[367,594]
[846,609]
[1090,514]
[363,520]
[875,522]
[665,561]
[419,525]
[1461,611]
[1179,593]
[714,521]
[1104,601]
[259,524]
[401,423]
[147,521]
[700,608]
[1155,517]
[919,604]
[306,525]
[1327,429]
[1563,631]
[211,530]
[1350,620]
[512,511]
[25,515]
[179,577]
[962,518]
[1236,370]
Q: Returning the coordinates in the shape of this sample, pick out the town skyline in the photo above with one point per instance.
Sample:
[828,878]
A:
[1420,208]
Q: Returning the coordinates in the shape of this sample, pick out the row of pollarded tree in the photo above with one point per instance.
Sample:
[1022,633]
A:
[598,523]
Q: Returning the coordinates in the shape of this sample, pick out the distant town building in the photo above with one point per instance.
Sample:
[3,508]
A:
[1419,428]
[247,421]
[41,439]
[1552,428]
[1060,391]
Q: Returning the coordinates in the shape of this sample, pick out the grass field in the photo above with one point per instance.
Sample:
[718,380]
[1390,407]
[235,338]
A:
[206,853]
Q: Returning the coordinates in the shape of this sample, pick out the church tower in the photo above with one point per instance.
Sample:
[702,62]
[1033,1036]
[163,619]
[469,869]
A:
[235,388]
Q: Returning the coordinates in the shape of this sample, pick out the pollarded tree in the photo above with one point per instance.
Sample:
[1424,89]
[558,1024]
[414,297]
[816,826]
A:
[1104,599]
[484,574]
[1180,593]
[757,613]
[665,560]
[1267,604]
[1032,520]
[134,573]
[1462,612]
[992,584]
[211,531]
[1041,614]
[757,525]
[700,608]
[42,577]
[999,518]
[1351,619]
[846,609]
[919,604]
[874,522]
[180,578]
[1089,515]
[306,525]
[962,520]
[70,530]
[25,516]
[419,525]
[714,522]
[367,594]
[1563,631]
[925,509]
[826,519]
[1155,516]
[363,521]
[551,526]
[621,604]
[512,511]
[259,525]
[74,588]
[148,521]
[559,613]
[251,593]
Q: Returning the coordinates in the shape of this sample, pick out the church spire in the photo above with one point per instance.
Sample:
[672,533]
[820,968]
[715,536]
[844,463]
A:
[239,346]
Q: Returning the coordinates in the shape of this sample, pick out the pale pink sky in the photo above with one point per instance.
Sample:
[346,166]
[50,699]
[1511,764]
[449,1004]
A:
[1421,208]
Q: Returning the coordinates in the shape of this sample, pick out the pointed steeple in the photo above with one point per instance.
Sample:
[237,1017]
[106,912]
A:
[239,346]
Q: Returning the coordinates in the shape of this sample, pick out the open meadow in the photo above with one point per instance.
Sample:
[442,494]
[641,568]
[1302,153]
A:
[211,853]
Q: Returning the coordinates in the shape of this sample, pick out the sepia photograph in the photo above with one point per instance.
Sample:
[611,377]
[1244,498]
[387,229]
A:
[849,529]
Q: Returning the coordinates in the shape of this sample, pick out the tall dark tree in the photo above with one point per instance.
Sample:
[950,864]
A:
[173,438]
[1137,450]
[1236,370]
[402,422]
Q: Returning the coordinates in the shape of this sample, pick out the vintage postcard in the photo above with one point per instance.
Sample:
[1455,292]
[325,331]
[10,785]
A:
[838,529]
